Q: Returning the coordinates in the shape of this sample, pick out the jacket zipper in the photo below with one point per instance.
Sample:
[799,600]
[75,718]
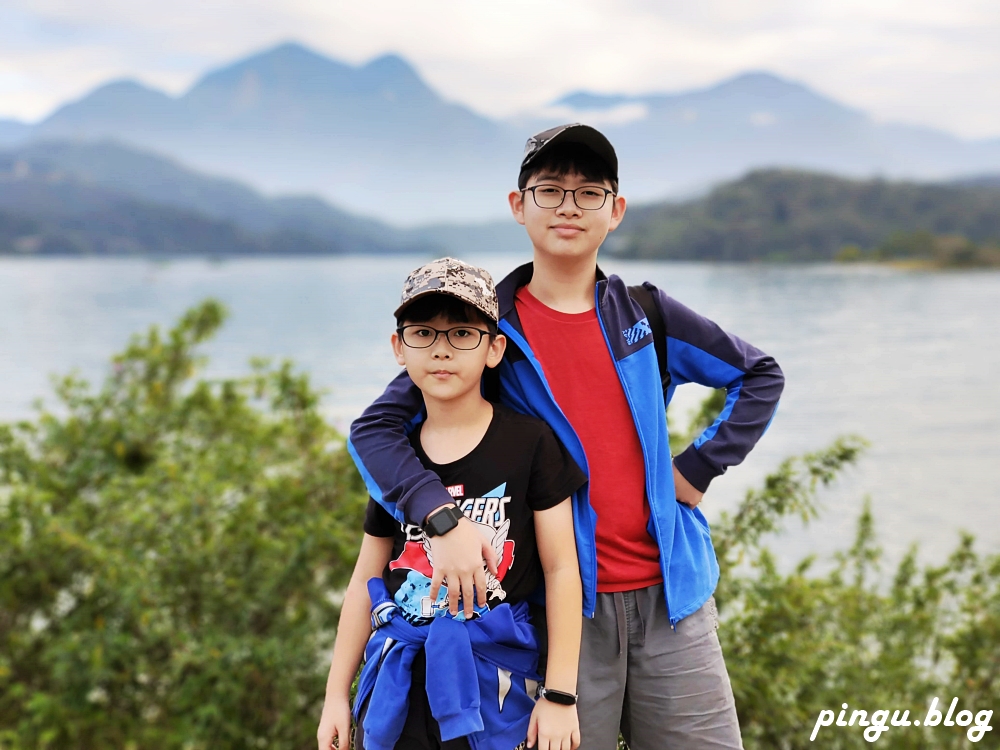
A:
[642,442]
[522,342]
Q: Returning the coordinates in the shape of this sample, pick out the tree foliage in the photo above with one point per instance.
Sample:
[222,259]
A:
[169,547]
[789,215]
[924,248]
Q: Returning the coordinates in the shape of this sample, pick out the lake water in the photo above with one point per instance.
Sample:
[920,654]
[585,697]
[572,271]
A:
[906,359]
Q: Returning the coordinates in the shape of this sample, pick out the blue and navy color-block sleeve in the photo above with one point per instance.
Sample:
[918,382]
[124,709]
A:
[379,445]
[699,351]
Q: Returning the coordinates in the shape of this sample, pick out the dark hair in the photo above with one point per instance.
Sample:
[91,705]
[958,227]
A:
[453,309]
[563,159]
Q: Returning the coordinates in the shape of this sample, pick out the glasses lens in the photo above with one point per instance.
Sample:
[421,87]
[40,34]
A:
[590,198]
[464,338]
[418,337]
[548,196]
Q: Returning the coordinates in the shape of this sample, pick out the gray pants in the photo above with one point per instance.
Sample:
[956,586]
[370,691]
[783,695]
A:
[664,689]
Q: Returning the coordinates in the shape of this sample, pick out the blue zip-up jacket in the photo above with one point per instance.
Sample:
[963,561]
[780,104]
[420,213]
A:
[480,676]
[698,351]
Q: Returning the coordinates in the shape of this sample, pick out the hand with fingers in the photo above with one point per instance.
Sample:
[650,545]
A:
[335,724]
[458,559]
[685,491]
[553,727]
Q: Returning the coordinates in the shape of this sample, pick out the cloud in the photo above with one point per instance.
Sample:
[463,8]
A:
[921,61]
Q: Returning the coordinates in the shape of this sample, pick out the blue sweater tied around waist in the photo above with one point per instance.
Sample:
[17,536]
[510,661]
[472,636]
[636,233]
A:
[480,674]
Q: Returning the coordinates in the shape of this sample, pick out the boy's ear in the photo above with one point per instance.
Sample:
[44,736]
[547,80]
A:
[497,347]
[516,201]
[617,212]
[397,349]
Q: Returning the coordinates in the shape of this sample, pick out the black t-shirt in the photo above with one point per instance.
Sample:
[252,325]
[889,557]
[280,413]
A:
[518,467]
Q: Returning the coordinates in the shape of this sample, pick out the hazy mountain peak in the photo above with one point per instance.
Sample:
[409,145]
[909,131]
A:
[131,103]
[391,67]
[124,89]
[586,100]
[763,87]
[288,67]
[759,80]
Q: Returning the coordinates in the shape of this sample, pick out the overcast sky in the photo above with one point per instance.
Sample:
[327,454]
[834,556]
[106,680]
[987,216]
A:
[931,62]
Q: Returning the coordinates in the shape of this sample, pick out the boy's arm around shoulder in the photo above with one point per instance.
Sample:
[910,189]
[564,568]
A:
[382,452]
[552,723]
[699,351]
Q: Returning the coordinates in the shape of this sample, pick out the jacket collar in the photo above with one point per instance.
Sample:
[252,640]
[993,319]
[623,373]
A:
[520,276]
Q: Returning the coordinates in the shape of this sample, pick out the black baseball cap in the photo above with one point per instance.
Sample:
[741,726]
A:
[574,132]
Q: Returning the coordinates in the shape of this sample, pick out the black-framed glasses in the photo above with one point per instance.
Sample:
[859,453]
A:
[418,336]
[588,197]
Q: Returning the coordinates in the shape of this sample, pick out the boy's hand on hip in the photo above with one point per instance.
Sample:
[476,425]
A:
[553,727]
[459,558]
[685,491]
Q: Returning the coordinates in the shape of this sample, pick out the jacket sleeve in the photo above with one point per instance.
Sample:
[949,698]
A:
[699,351]
[380,448]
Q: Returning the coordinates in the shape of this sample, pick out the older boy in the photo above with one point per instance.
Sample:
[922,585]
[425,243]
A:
[581,356]
[435,678]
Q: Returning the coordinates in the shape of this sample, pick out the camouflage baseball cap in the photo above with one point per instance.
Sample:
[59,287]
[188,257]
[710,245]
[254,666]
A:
[471,284]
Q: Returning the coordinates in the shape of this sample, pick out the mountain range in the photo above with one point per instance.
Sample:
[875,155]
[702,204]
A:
[102,198]
[375,139]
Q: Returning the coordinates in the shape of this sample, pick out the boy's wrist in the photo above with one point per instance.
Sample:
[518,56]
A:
[558,697]
[442,520]
[338,696]
[698,472]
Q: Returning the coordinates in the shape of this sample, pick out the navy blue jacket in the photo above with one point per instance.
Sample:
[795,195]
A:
[698,351]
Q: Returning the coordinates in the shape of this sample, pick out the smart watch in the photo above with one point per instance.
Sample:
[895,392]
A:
[442,521]
[556,696]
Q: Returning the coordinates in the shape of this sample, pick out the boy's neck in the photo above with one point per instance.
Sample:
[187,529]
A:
[454,427]
[564,284]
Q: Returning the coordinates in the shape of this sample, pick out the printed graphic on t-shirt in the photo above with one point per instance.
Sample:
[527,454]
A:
[489,514]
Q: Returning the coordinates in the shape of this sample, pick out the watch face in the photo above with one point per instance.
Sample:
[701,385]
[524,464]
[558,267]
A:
[441,522]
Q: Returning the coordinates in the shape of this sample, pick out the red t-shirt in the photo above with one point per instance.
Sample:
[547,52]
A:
[583,379]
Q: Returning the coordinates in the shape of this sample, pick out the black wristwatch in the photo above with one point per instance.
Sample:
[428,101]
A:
[442,521]
[556,696]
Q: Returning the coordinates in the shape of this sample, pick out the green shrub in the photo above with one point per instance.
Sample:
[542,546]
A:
[169,552]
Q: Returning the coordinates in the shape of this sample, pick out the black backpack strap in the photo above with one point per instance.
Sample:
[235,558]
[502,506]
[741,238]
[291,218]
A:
[657,325]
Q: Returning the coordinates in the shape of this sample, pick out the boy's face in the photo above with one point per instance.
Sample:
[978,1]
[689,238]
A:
[441,371]
[567,231]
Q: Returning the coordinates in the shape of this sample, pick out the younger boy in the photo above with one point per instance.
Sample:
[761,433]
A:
[436,677]
[582,356]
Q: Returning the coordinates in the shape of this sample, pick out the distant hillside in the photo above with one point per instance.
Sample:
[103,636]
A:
[41,217]
[983,180]
[103,198]
[377,139]
[163,180]
[96,191]
[789,215]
